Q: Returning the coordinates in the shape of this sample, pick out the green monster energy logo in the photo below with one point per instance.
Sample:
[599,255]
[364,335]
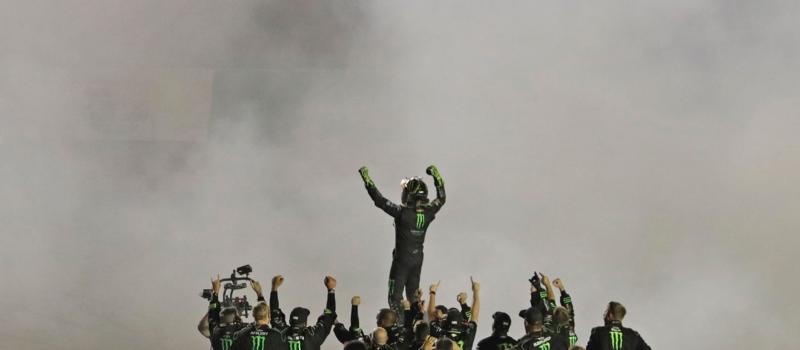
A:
[391,287]
[616,339]
[257,342]
[226,343]
[420,220]
[460,344]
[545,346]
[573,339]
[295,345]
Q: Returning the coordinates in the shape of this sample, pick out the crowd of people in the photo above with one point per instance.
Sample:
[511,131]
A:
[407,324]
[419,323]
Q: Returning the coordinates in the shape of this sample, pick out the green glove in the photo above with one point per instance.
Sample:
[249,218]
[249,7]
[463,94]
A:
[437,177]
[365,176]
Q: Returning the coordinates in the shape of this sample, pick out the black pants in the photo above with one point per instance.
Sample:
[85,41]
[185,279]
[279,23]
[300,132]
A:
[404,274]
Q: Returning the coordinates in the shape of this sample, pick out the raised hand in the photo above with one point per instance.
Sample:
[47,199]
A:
[256,287]
[277,281]
[434,287]
[215,284]
[462,298]
[365,176]
[356,300]
[330,282]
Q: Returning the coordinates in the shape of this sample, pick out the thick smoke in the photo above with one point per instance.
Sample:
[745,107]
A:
[644,152]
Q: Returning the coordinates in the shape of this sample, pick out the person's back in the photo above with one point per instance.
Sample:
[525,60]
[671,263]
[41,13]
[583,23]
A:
[259,335]
[536,338]
[499,340]
[613,336]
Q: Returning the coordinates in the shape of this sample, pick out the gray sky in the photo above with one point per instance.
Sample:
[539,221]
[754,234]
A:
[645,152]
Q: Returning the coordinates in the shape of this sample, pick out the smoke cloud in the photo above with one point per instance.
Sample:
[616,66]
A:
[643,152]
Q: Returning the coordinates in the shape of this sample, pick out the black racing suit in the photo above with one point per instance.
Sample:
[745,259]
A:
[411,223]
[613,336]
[259,337]
[543,341]
[497,341]
[349,334]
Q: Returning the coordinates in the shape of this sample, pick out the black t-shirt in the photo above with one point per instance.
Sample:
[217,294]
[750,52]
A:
[255,337]
[497,342]
[615,337]
[543,341]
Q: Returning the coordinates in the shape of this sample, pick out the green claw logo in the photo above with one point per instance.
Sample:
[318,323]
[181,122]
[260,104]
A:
[545,346]
[226,343]
[257,342]
[295,345]
[420,220]
[616,339]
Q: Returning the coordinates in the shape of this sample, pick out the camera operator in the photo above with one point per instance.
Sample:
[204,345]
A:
[302,337]
[223,323]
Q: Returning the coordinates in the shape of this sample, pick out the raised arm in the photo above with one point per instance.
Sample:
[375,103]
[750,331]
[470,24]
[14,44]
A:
[466,310]
[380,201]
[278,319]
[565,299]
[214,306]
[354,322]
[551,299]
[476,300]
[202,326]
[432,301]
[438,182]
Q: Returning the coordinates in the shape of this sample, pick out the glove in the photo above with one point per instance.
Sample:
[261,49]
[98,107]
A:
[437,177]
[365,176]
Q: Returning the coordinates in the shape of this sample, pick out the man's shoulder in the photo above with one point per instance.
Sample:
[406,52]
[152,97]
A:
[599,329]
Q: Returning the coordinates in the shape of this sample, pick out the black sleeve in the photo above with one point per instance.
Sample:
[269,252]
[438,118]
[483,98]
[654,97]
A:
[438,203]
[330,304]
[566,301]
[594,341]
[354,323]
[273,300]
[213,312]
[341,333]
[642,345]
[466,311]
[381,202]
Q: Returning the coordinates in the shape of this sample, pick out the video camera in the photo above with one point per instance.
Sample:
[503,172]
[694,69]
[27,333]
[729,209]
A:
[238,280]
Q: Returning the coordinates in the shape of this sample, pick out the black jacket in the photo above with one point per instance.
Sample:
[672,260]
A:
[613,336]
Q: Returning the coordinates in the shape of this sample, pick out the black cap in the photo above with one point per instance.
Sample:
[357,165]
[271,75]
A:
[299,316]
[532,315]
[454,317]
[501,319]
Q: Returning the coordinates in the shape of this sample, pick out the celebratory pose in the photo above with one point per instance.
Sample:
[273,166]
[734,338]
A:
[411,220]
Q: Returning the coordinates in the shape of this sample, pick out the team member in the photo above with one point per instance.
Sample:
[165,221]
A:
[536,337]
[299,335]
[411,220]
[499,340]
[613,336]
